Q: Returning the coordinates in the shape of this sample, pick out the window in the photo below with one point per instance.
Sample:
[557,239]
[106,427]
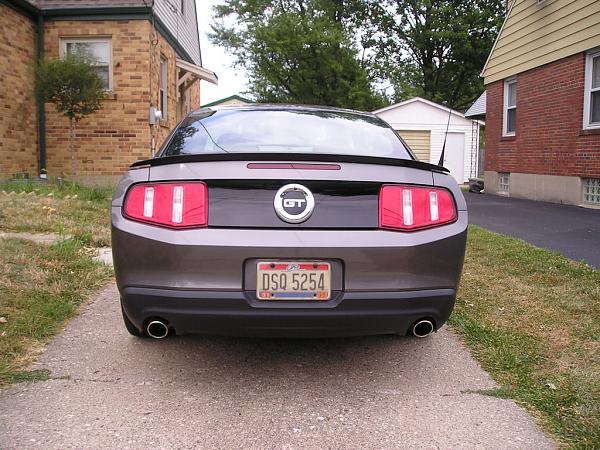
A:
[591,192]
[182,9]
[162,88]
[591,110]
[280,130]
[510,107]
[97,51]
[504,182]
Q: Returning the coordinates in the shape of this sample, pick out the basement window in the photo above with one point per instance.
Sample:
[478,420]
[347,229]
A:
[97,51]
[504,183]
[510,107]
[591,191]
[591,110]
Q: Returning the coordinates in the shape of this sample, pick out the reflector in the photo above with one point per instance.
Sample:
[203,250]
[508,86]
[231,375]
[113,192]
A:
[409,208]
[168,204]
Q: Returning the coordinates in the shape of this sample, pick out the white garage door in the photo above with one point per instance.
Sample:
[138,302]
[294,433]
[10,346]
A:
[418,141]
[454,155]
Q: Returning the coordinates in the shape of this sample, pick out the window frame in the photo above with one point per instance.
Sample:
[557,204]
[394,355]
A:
[501,177]
[587,96]
[505,108]
[164,107]
[94,39]
[586,184]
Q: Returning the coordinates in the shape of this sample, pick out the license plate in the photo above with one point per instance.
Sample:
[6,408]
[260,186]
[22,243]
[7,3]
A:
[302,280]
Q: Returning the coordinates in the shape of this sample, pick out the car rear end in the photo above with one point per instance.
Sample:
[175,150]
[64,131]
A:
[199,246]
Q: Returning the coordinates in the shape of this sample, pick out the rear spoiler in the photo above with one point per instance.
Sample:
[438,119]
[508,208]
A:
[315,157]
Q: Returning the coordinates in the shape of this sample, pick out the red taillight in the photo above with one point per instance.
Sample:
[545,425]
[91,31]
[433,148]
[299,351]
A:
[173,205]
[411,208]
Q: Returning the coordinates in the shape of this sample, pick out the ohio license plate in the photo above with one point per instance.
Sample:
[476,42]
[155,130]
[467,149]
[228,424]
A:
[293,280]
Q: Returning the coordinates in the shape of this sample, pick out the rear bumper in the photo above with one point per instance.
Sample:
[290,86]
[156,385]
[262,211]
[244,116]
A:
[240,314]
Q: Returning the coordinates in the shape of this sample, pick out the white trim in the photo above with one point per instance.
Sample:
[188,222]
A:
[199,72]
[63,41]
[505,107]
[163,86]
[587,96]
[487,61]
[422,100]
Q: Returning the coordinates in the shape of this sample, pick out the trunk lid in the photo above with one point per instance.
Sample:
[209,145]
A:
[241,192]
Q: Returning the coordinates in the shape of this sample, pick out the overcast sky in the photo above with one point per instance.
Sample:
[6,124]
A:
[231,81]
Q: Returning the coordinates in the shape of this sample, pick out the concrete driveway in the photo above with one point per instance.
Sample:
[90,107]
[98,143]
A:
[569,230]
[111,390]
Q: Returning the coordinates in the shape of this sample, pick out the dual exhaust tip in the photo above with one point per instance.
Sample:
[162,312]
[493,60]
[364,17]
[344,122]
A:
[422,328]
[158,329]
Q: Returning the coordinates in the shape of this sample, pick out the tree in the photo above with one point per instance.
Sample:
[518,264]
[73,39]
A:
[75,89]
[297,51]
[434,48]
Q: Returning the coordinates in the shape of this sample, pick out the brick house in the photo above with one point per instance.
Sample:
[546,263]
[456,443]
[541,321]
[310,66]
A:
[543,103]
[148,55]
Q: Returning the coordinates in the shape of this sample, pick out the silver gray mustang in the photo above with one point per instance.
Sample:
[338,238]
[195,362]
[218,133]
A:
[295,221]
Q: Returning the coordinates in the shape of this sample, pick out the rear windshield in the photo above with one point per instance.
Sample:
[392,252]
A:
[285,131]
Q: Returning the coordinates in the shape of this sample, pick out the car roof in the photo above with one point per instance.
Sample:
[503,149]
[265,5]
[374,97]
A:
[280,107]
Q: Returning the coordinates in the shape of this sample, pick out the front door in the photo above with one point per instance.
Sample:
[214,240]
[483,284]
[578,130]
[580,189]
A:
[454,155]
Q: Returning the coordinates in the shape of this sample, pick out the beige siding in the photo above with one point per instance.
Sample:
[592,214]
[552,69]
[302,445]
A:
[182,25]
[418,141]
[534,35]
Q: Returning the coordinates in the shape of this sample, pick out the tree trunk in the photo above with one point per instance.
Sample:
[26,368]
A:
[72,147]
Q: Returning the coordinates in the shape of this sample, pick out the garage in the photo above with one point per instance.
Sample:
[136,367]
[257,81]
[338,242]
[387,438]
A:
[418,141]
[428,127]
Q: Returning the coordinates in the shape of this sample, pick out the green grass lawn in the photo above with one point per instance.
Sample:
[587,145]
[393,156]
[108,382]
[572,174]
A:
[41,286]
[66,208]
[40,289]
[532,319]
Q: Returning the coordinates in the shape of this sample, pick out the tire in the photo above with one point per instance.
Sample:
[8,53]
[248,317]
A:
[131,328]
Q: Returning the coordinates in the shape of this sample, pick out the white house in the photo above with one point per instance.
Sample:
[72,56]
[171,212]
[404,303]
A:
[422,124]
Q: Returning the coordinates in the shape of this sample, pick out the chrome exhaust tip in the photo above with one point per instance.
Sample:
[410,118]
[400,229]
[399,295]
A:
[422,328]
[157,329]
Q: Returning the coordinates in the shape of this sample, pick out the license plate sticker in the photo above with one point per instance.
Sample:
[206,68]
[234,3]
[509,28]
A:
[293,280]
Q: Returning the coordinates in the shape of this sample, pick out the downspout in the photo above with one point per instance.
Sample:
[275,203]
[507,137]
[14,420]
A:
[41,113]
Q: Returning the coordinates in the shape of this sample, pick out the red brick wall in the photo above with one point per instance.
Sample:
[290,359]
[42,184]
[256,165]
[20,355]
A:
[18,114]
[549,138]
[106,142]
[109,140]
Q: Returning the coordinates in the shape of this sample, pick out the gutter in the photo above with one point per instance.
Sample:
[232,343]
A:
[41,112]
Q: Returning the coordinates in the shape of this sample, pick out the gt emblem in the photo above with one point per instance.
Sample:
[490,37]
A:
[291,202]
[294,203]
